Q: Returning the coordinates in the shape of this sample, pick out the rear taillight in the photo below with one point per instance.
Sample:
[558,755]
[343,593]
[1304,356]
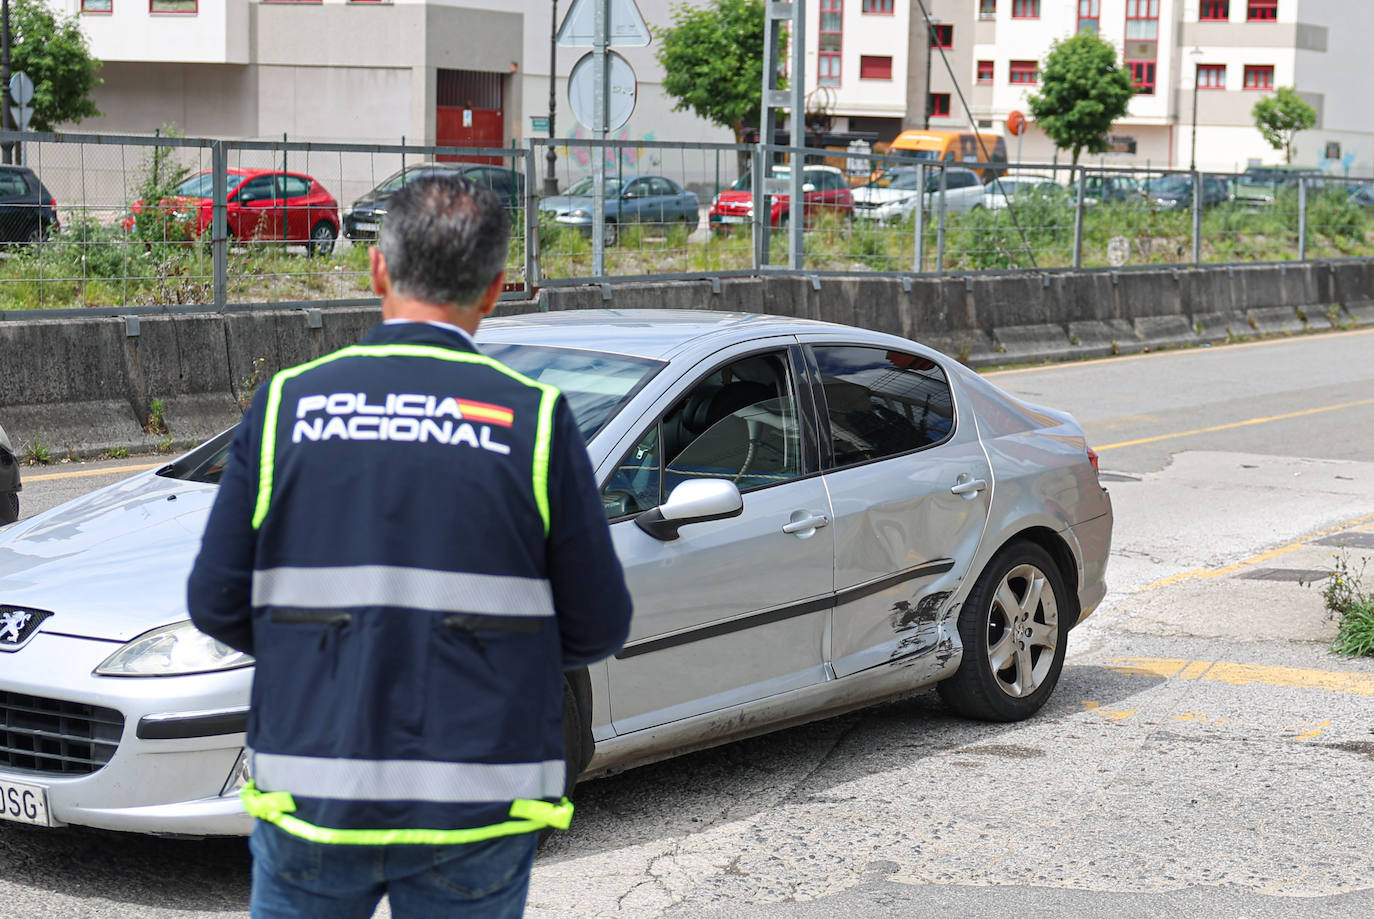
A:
[1092,458]
[52,202]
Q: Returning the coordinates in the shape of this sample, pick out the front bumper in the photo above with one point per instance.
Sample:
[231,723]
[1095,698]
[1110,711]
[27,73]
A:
[362,225]
[163,782]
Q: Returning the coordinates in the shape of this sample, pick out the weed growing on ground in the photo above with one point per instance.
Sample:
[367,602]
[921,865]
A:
[1348,599]
[39,453]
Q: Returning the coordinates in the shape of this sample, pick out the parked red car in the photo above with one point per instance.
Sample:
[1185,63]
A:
[825,191]
[261,204]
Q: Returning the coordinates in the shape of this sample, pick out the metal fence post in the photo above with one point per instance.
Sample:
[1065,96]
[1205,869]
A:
[531,219]
[219,227]
[1078,216]
[1197,218]
[940,226]
[1302,218]
[761,220]
[918,259]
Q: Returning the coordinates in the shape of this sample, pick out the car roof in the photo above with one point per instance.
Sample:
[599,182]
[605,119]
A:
[654,334]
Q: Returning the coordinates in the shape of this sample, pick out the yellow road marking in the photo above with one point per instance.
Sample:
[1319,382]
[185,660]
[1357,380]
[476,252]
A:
[1266,556]
[82,473]
[1233,674]
[1313,730]
[1233,424]
[1110,713]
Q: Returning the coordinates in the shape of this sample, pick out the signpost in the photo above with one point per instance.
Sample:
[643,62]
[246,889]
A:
[604,98]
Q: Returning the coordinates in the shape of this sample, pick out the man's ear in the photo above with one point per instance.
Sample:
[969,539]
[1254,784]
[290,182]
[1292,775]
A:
[376,267]
[491,295]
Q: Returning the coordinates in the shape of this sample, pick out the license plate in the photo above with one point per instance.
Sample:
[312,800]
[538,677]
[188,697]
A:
[365,227]
[731,218]
[24,803]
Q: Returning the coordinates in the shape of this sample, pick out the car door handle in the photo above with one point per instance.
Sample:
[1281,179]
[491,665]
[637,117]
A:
[813,522]
[971,487]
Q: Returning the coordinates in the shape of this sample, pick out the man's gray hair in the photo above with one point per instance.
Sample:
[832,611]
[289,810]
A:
[444,239]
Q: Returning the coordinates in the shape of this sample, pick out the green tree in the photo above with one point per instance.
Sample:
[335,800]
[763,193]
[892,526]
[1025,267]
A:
[1082,92]
[712,59]
[1281,116]
[51,49]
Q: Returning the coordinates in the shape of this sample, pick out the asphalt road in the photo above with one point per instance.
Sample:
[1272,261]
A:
[1204,755]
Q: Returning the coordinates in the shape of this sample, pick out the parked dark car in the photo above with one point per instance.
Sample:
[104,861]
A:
[656,200]
[1101,188]
[1176,190]
[364,218]
[9,481]
[28,211]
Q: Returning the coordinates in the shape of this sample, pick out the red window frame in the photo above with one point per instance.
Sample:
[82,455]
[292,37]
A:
[939,105]
[1259,76]
[830,59]
[1214,11]
[156,12]
[986,71]
[1025,9]
[1142,76]
[1023,73]
[1261,10]
[1142,11]
[107,10]
[880,7]
[875,67]
[942,36]
[1211,76]
[1089,12]
[987,9]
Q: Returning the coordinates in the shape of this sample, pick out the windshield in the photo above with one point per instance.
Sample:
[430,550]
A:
[897,178]
[917,154]
[411,174]
[583,188]
[1171,184]
[201,185]
[595,384]
[1268,179]
[1020,186]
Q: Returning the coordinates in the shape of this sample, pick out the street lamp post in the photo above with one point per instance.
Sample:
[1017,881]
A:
[550,176]
[1195,54]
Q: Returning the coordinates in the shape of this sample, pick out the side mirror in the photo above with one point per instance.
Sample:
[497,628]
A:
[693,501]
[808,187]
[630,194]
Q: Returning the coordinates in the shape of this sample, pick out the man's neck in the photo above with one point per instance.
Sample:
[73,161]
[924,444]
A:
[408,309]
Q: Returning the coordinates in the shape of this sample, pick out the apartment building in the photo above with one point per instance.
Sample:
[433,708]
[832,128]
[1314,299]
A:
[976,61]
[463,72]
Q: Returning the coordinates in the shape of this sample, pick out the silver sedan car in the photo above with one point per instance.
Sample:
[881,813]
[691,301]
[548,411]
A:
[812,518]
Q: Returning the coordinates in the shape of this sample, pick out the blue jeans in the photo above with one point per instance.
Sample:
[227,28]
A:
[296,879]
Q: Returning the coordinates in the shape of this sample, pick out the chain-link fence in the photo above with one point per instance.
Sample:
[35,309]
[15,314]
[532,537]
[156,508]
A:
[95,220]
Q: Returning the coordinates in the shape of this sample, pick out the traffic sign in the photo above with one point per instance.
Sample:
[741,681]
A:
[625,27]
[21,88]
[1016,123]
[621,90]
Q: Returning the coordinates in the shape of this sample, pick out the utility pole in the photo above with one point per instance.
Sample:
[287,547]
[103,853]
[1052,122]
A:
[550,177]
[5,122]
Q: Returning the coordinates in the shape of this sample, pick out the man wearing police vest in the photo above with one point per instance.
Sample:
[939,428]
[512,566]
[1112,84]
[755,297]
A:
[412,602]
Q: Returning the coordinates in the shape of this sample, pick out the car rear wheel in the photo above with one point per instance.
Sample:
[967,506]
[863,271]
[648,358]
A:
[1014,627]
[322,238]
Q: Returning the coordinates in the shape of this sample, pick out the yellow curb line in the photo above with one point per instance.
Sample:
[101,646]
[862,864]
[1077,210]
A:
[1234,424]
[82,473]
[1233,674]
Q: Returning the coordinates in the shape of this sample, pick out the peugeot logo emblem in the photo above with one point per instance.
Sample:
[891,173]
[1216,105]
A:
[18,625]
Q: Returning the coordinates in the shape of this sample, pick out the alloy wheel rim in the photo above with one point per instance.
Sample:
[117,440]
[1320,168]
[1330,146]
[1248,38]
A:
[1022,631]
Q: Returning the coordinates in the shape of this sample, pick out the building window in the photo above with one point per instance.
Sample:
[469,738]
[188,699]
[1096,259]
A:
[942,36]
[1142,20]
[1088,13]
[1211,76]
[874,67]
[987,9]
[97,6]
[985,71]
[1142,76]
[172,6]
[828,54]
[1214,10]
[1025,9]
[939,105]
[1259,76]
[877,6]
[1262,10]
[1025,71]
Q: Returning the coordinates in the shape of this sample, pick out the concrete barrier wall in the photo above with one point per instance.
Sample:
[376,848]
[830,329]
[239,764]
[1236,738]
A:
[83,386]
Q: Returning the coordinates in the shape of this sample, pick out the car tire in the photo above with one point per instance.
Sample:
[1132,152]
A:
[322,237]
[577,732]
[610,233]
[1015,627]
[10,511]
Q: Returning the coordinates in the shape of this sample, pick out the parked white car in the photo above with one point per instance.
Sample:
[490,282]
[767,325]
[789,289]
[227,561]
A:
[1015,186]
[893,194]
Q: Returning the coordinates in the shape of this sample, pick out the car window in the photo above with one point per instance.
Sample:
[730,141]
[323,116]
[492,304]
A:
[256,189]
[662,186]
[201,185]
[738,423]
[639,188]
[882,403]
[962,179]
[12,185]
[295,187]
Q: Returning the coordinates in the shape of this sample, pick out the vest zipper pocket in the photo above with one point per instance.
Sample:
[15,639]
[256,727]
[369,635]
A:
[473,624]
[331,618]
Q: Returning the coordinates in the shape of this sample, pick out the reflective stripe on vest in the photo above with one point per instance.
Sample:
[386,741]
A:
[526,817]
[539,473]
[432,781]
[393,585]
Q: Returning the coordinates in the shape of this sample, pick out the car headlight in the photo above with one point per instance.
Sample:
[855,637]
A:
[579,214]
[172,650]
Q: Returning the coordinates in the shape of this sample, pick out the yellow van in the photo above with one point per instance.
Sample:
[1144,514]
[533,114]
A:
[983,152]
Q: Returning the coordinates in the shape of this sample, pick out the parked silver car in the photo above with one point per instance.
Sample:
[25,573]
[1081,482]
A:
[812,518]
[894,194]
